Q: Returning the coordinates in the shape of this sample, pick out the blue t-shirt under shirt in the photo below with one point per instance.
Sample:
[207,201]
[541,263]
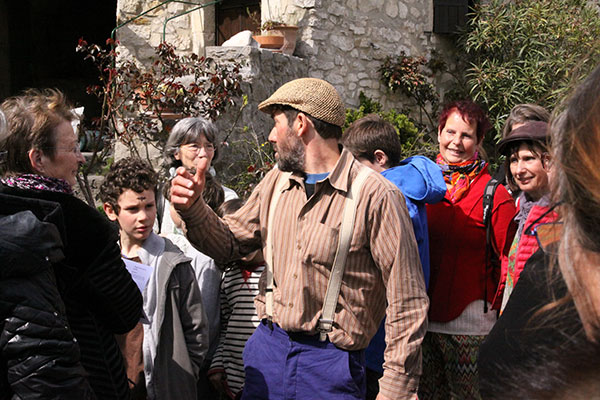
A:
[310,180]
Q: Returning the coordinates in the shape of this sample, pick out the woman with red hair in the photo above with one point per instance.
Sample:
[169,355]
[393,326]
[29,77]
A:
[462,283]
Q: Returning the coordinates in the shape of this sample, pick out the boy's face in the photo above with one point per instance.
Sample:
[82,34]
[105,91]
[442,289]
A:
[137,212]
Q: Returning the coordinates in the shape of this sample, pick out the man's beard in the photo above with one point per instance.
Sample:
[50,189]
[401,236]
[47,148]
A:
[290,157]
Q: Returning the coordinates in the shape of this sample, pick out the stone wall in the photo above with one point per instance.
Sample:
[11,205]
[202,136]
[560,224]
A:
[346,41]
[263,72]
[189,32]
[343,42]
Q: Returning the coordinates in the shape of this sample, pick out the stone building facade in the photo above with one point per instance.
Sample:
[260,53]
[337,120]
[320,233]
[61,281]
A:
[343,42]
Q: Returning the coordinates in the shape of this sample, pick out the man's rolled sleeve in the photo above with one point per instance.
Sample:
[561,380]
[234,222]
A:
[398,386]
[207,233]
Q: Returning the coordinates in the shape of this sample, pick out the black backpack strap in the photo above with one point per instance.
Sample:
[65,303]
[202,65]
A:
[160,205]
[488,207]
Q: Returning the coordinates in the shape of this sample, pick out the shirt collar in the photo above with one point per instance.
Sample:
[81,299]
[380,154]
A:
[338,178]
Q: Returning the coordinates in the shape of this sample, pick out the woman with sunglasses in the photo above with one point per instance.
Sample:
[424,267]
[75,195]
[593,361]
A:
[526,165]
[546,344]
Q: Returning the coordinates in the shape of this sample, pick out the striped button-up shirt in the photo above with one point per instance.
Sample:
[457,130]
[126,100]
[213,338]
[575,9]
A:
[382,264]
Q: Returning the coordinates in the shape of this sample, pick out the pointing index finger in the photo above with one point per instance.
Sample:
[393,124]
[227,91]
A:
[201,168]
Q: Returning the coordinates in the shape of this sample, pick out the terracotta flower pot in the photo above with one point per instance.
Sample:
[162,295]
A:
[290,34]
[272,42]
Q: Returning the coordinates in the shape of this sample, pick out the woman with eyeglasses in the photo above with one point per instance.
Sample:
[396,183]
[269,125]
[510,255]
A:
[527,172]
[190,140]
[546,344]
[39,162]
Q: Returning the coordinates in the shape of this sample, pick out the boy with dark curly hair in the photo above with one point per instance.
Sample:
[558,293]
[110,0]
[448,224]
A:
[163,354]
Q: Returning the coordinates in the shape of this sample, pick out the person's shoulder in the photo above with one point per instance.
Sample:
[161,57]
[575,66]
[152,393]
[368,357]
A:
[172,253]
[174,263]
[84,219]
[230,194]
[374,182]
[378,190]
[503,198]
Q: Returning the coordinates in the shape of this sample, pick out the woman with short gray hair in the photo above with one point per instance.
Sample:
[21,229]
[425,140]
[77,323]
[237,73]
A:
[190,140]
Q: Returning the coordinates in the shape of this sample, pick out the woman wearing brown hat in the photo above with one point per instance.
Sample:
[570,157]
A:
[546,344]
[527,170]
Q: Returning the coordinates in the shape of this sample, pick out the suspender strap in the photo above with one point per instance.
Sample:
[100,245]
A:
[282,181]
[337,270]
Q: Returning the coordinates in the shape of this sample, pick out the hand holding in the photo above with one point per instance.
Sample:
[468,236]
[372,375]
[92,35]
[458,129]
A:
[218,381]
[187,188]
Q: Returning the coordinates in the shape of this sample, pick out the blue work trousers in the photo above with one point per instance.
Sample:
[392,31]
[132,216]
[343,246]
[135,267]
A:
[291,366]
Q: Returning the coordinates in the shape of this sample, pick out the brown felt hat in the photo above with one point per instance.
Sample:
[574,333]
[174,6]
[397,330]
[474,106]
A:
[312,96]
[536,131]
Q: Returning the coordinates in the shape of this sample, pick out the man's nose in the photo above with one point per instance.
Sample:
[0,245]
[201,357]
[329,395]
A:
[273,135]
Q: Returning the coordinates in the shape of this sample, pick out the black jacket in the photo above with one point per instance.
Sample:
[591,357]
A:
[100,296]
[535,354]
[39,358]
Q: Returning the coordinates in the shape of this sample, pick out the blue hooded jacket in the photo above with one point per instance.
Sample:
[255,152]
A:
[421,182]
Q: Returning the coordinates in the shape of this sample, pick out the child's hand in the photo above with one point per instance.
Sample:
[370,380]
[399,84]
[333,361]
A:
[218,381]
[187,188]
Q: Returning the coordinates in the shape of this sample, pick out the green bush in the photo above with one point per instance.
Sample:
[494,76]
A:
[413,141]
[529,51]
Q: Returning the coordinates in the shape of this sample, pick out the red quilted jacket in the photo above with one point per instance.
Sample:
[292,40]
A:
[527,246]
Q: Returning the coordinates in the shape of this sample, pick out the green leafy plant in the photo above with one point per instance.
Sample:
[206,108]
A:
[412,77]
[413,141]
[529,51]
[141,104]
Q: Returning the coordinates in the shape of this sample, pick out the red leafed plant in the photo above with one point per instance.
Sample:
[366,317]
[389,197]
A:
[138,102]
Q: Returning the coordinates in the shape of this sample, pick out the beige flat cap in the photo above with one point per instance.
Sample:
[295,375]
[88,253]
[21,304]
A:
[312,96]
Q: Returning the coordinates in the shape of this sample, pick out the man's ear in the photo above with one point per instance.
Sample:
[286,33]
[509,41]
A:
[303,123]
[36,158]
[381,158]
[109,211]
[177,155]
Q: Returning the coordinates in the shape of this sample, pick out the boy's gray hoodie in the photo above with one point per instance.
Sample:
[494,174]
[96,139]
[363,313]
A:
[176,339]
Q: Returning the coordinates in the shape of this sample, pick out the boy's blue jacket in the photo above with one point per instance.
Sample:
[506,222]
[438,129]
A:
[421,182]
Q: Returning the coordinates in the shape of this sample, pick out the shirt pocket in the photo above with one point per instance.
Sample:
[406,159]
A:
[321,244]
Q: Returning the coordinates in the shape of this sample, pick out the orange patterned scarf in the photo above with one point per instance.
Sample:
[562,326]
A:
[460,175]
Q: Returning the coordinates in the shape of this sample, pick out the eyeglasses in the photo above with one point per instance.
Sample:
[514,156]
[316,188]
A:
[75,150]
[195,147]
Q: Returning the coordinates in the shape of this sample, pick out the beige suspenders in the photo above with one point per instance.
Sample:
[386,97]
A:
[337,270]
[282,181]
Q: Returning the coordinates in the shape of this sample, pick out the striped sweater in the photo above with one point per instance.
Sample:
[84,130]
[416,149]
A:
[238,322]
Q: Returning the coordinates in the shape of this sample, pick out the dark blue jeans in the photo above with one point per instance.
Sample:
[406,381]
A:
[295,366]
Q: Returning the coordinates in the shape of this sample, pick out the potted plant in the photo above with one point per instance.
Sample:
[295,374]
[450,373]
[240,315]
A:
[267,41]
[271,42]
[289,33]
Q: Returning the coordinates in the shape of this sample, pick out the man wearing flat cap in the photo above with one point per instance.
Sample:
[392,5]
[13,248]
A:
[310,343]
